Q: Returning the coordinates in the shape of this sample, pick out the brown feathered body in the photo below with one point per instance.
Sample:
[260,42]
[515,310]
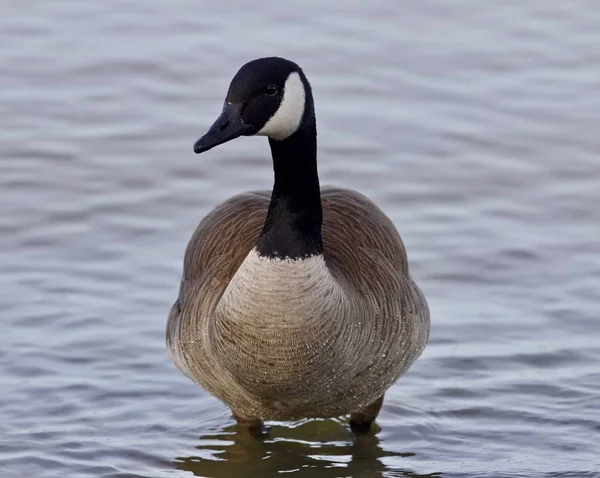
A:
[280,340]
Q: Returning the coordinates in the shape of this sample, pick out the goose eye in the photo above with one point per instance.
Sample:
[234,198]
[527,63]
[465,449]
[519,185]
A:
[271,90]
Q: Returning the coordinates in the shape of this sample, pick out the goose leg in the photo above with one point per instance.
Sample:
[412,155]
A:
[361,420]
[253,425]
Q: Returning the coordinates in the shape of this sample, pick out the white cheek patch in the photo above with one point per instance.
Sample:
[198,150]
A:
[288,116]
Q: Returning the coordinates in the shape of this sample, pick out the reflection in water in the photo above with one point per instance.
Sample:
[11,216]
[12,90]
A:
[315,448]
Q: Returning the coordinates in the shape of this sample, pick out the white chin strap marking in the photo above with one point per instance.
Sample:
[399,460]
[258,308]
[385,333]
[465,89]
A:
[288,116]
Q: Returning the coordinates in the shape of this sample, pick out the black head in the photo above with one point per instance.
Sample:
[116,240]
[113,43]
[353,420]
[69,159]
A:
[268,97]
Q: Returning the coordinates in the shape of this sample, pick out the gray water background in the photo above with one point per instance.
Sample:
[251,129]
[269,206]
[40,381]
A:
[473,124]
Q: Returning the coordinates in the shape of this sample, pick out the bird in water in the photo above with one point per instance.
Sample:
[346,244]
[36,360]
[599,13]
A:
[296,302]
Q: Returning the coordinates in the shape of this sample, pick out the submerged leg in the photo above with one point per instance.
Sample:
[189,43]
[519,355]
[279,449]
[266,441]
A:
[360,421]
[253,425]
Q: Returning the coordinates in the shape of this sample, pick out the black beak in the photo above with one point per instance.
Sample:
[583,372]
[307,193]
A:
[227,127]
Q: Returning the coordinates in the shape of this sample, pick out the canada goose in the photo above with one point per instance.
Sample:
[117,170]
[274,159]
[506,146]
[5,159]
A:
[298,302]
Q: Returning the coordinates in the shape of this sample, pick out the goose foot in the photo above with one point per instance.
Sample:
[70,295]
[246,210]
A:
[361,421]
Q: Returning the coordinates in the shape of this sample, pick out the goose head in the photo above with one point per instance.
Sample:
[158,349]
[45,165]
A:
[267,97]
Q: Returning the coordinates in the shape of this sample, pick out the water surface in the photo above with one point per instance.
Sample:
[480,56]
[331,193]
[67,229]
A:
[473,124]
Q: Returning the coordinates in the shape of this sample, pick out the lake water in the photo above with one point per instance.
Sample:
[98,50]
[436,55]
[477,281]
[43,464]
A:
[473,124]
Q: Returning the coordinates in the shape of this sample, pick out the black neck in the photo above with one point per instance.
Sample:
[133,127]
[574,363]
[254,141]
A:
[293,223]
